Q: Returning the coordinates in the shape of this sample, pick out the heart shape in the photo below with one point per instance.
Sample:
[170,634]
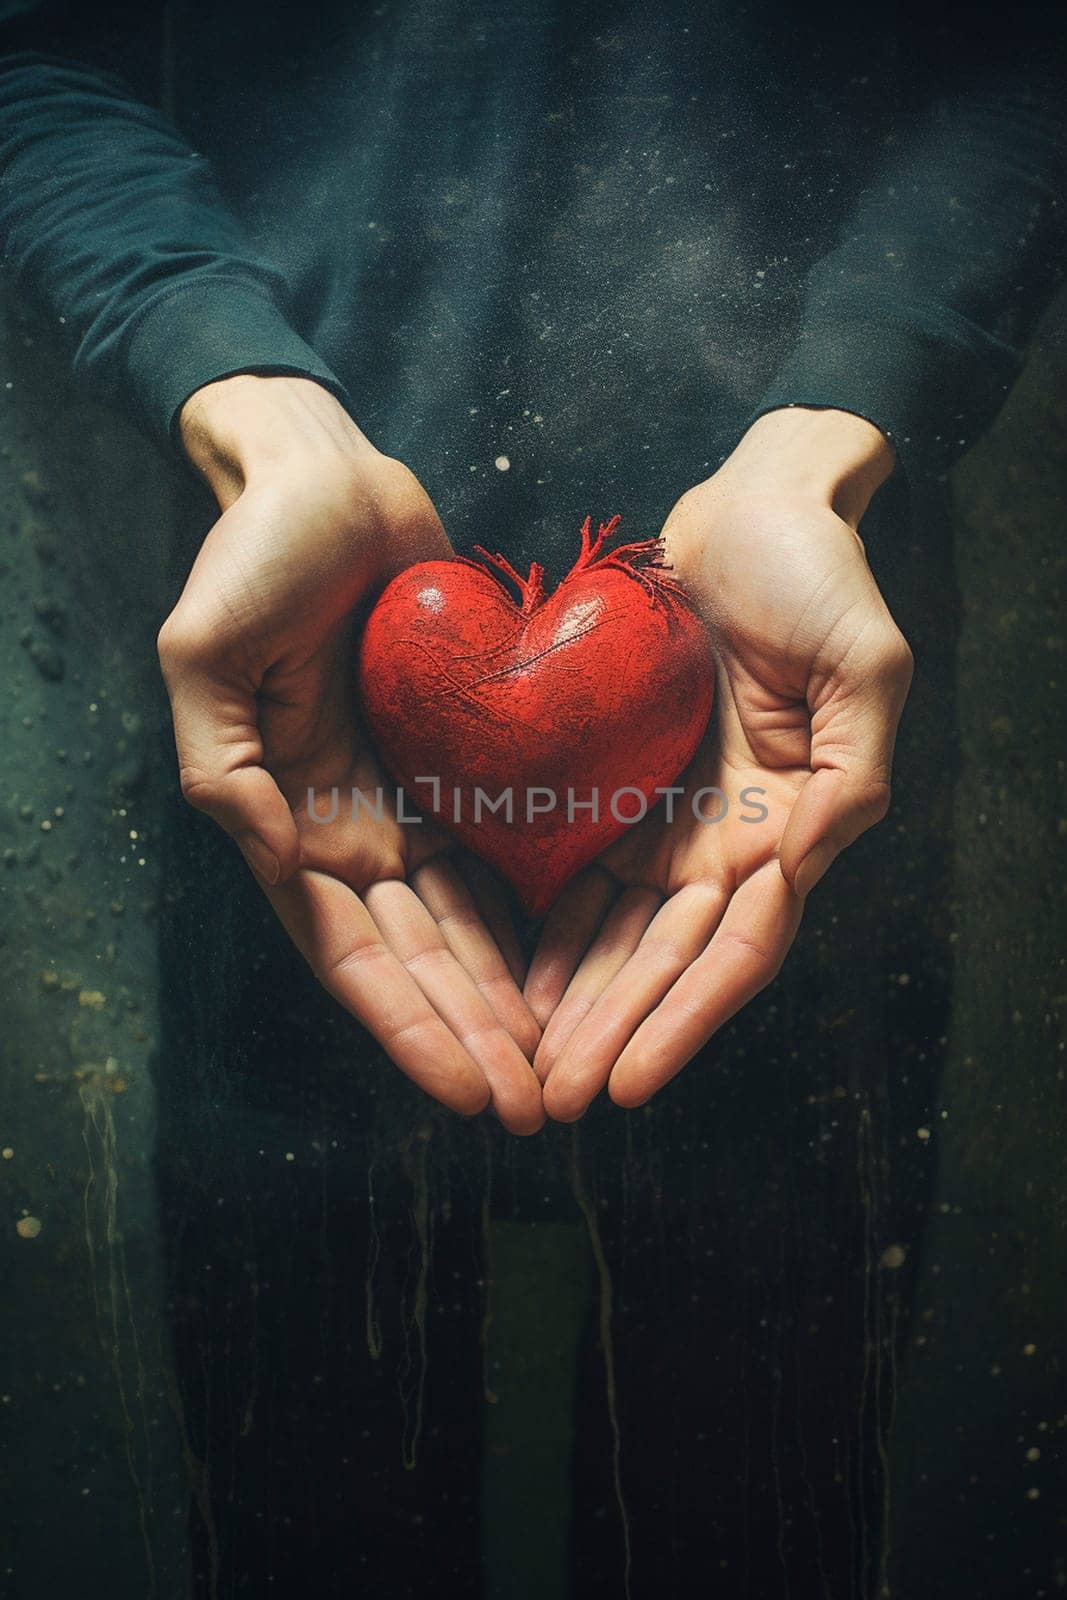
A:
[603,688]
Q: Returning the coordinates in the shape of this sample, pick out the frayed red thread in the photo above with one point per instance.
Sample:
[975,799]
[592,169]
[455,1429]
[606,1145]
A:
[531,589]
[643,559]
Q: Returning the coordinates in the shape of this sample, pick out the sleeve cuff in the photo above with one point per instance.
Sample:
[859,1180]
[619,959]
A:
[197,332]
[919,394]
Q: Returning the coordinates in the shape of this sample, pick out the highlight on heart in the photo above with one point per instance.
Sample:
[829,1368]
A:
[476,675]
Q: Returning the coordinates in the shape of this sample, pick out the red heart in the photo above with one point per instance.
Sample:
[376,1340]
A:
[604,686]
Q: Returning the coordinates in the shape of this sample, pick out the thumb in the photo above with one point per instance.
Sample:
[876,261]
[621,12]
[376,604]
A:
[832,810]
[852,742]
[220,756]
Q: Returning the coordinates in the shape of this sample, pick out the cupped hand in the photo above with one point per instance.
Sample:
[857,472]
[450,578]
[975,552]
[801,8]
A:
[684,920]
[258,657]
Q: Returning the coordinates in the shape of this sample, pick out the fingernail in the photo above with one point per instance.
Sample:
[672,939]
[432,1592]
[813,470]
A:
[813,866]
[264,862]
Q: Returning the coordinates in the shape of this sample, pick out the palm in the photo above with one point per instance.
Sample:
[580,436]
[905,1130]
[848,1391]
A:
[725,852]
[315,749]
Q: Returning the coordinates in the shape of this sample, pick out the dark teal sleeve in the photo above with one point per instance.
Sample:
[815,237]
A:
[115,225]
[917,320]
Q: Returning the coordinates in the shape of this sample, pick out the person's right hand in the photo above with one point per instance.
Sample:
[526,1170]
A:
[259,661]
[682,921]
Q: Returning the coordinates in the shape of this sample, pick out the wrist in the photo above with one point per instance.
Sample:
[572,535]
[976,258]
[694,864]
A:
[835,457]
[249,428]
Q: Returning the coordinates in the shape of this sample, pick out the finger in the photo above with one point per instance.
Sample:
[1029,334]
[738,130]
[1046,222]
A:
[451,905]
[616,942]
[675,937]
[220,755]
[490,898]
[853,733]
[565,937]
[337,936]
[745,953]
[418,943]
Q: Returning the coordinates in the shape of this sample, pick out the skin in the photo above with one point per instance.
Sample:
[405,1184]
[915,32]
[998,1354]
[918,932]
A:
[675,927]
[258,658]
[678,925]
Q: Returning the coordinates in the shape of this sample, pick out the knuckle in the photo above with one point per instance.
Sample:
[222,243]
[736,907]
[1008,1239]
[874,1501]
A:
[460,920]
[744,944]
[483,1034]
[431,956]
[880,802]
[492,977]
[180,644]
[197,787]
[874,798]
[896,663]
[353,958]
[165,636]
[404,512]
[396,476]
[399,494]
[411,1033]
[576,1006]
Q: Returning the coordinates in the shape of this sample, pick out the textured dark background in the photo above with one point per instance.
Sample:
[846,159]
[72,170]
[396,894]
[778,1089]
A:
[189,1279]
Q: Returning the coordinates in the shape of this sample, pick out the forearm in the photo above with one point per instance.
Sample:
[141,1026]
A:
[918,318]
[110,219]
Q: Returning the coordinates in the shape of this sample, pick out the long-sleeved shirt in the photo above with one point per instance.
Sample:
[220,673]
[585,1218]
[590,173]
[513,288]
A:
[538,244]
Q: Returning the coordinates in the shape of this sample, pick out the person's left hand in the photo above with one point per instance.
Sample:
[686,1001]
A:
[681,922]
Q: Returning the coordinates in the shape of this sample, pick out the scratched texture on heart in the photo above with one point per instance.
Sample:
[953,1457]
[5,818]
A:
[603,687]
